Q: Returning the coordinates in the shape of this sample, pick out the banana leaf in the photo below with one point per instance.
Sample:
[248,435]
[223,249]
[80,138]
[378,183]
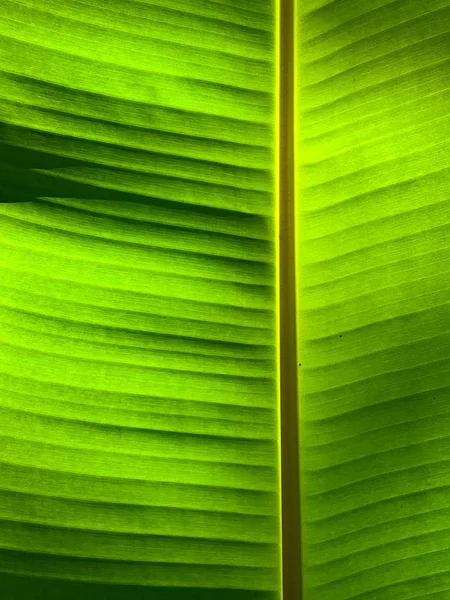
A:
[374,291]
[138,379]
[145,303]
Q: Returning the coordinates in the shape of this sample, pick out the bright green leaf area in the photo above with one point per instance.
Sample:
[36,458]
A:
[138,393]
[374,297]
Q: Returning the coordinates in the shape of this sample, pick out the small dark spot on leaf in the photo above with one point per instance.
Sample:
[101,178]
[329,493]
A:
[340,336]
[299,364]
